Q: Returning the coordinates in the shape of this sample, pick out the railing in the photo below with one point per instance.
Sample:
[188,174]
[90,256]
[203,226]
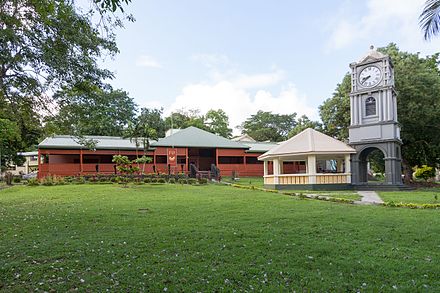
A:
[331,178]
[286,179]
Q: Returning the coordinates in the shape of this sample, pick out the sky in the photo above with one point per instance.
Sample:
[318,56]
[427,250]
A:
[243,56]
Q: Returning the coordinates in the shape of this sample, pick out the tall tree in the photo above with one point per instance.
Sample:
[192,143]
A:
[217,122]
[9,138]
[430,19]
[335,111]
[264,126]
[418,85]
[148,126]
[417,82]
[48,45]
[93,111]
[303,123]
[186,118]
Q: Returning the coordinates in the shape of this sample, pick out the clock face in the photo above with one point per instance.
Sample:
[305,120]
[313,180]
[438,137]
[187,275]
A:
[370,76]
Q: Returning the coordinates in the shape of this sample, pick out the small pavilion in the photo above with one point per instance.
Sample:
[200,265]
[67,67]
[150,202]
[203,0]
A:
[310,160]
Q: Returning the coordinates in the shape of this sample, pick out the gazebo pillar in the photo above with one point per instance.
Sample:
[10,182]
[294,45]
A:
[348,168]
[339,166]
[266,169]
[311,168]
[276,170]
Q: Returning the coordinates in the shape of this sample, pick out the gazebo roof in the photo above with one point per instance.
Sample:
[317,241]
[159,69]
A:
[308,142]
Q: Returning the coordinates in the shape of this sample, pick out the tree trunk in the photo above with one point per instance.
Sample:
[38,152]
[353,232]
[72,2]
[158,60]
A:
[407,172]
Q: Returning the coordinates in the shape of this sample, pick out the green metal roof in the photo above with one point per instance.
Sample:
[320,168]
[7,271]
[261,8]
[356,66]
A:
[198,138]
[188,137]
[103,143]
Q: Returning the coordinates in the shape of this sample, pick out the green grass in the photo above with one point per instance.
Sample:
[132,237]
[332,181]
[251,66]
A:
[209,238]
[254,181]
[422,195]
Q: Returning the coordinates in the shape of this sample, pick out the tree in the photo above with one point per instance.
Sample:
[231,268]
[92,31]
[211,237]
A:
[264,126]
[92,111]
[217,122]
[46,46]
[429,20]
[417,82]
[147,126]
[335,111]
[185,118]
[9,137]
[302,124]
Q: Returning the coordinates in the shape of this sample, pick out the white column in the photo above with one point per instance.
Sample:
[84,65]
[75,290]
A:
[351,112]
[390,107]
[338,165]
[276,170]
[265,165]
[379,105]
[311,168]
[348,168]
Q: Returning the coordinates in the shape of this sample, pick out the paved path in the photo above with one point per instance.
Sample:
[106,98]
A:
[369,197]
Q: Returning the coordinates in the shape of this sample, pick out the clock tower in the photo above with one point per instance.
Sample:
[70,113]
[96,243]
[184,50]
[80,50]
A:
[374,125]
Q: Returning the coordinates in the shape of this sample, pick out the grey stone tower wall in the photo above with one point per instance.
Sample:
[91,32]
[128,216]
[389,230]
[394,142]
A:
[380,131]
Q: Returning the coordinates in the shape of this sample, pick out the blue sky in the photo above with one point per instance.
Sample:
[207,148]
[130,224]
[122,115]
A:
[246,55]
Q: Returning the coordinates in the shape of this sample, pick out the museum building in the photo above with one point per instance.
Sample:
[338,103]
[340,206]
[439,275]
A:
[63,155]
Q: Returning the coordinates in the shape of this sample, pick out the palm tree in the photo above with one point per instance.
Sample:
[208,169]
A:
[429,20]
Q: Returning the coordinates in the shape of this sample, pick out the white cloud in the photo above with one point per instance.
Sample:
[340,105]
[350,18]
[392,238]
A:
[390,20]
[240,95]
[147,61]
[238,103]
[260,80]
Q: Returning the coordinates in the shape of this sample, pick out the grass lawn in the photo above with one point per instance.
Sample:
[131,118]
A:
[421,195]
[209,238]
[254,181]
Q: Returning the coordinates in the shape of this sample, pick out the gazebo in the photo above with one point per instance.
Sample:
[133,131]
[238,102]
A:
[309,160]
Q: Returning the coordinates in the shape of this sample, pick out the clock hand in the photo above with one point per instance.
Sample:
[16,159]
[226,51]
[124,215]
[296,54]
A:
[365,78]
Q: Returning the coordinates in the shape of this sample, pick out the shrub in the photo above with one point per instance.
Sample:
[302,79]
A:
[58,180]
[8,178]
[425,172]
[147,180]
[33,182]
[69,179]
[161,180]
[80,180]
[113,179]
[172,180]
[138,181]
[47,181]
[182,181]
[153,180]
[192,181]
[16,179]
[203,181]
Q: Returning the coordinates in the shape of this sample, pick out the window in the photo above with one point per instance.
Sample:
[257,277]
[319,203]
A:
[253,160]
[181,160]
[230,160]
[161,159]
[370,106]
